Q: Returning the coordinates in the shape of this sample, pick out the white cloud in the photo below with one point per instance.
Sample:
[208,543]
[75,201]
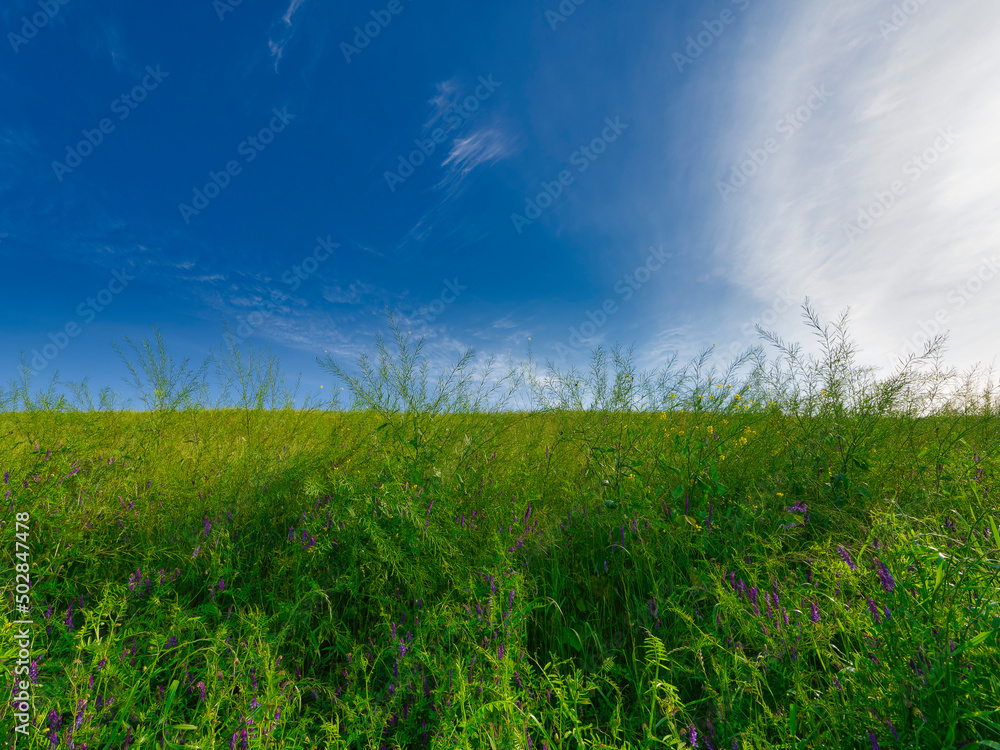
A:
[486,146]
[203,279]
[447,96]
[294,6]
[892,99]
[284,35]
[355,294]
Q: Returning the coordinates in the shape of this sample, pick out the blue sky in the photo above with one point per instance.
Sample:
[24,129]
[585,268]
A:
[661,174]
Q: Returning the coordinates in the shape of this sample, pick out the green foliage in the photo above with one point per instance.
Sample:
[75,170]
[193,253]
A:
[795,560]
[431,450]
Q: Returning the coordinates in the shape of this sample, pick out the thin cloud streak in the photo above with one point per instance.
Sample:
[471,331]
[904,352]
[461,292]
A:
[277,47]
[486,146]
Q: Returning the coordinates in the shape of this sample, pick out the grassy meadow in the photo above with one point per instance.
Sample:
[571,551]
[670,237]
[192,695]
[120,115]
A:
[787,554]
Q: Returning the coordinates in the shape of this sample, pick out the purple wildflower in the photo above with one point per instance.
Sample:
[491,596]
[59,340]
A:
[692,736]
[888,582]
[813,612]
[873,609]
[847,557]
[892,729]
[873,739]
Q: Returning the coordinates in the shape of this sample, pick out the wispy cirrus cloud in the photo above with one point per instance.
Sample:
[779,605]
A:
[489,143]
[212,277]
[293,6]
[355,294]
[486,146]
[446,97]
[284,33]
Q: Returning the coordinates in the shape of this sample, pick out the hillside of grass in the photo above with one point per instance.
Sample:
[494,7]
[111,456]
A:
[795,558]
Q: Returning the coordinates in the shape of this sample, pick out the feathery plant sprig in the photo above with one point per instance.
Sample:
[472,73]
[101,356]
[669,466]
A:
[163,386]
[412,416]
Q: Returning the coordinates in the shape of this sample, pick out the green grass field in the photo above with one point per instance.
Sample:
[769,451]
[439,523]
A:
[801,558]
